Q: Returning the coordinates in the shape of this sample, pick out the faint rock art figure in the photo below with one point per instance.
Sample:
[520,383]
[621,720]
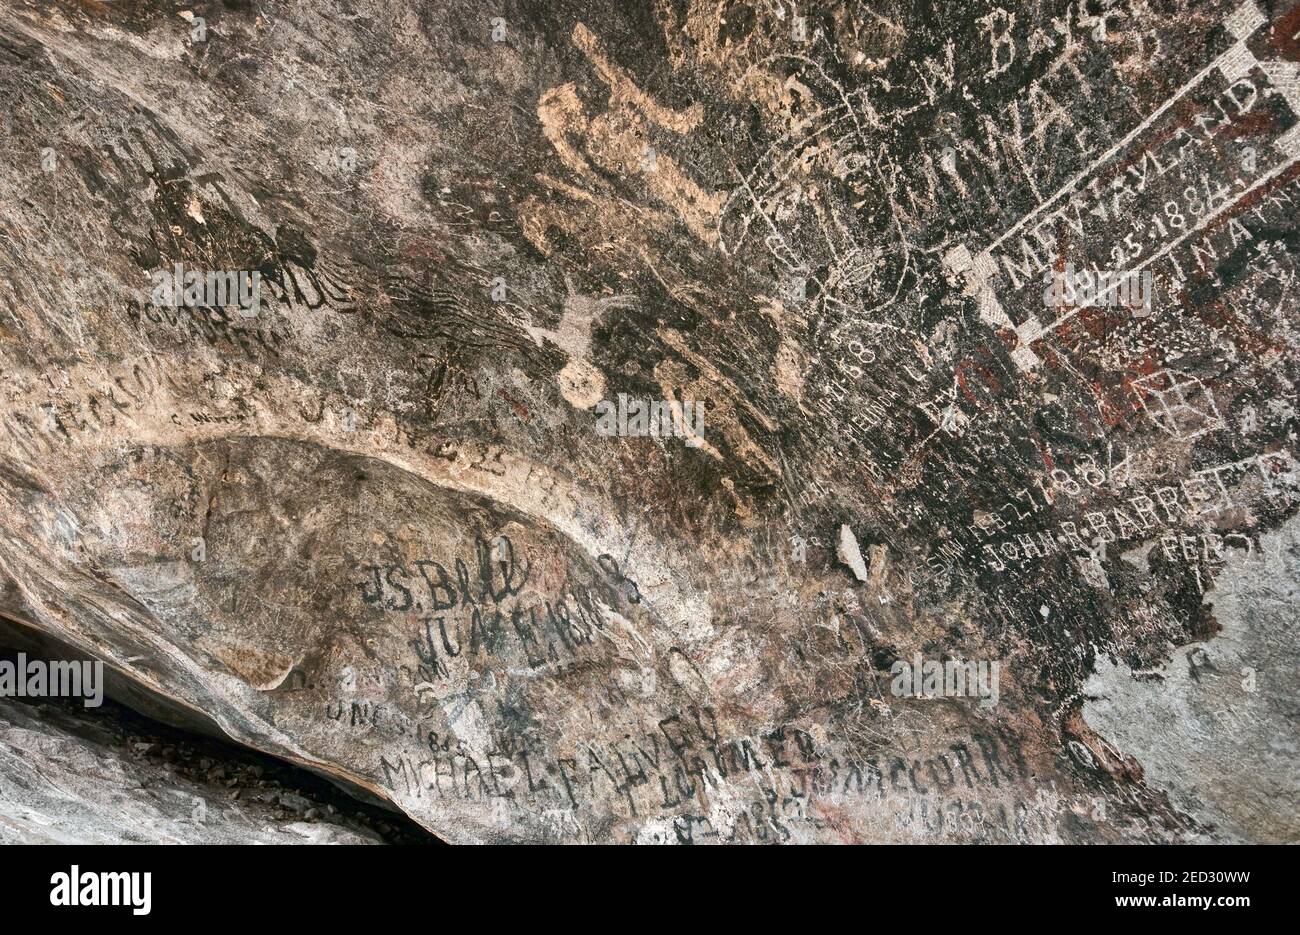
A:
[618,141]
[581,382]
[790,203]
[1179,404]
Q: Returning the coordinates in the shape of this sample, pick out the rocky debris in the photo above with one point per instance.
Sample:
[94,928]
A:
[72,775]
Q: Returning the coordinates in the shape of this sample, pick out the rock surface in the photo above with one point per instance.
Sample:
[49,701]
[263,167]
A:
[72,775]
[397,518]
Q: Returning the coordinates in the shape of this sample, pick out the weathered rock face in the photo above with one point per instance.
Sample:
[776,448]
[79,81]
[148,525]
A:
[378,493]
[75,776]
